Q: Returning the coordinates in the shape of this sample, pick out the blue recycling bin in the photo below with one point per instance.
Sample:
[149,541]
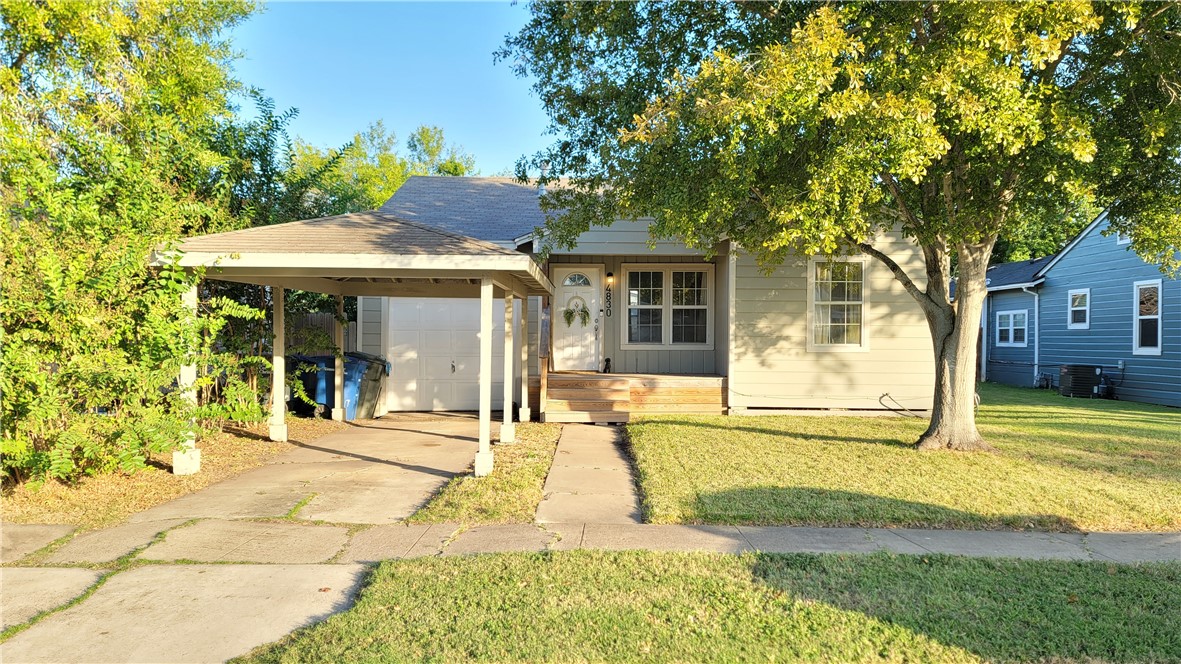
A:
[318,374]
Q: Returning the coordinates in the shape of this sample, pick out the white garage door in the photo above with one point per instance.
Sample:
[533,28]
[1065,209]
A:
[434,347]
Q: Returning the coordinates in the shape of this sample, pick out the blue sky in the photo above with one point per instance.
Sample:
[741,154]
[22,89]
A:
[345,65]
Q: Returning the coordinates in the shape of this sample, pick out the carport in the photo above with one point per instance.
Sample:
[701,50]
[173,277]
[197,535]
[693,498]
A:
[371,254]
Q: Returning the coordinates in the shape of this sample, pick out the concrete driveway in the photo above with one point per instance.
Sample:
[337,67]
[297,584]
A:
[377,471]
[269,577]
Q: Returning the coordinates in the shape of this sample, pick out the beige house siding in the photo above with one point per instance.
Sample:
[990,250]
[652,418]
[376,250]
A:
[772,367]
[370,319]
[625,238]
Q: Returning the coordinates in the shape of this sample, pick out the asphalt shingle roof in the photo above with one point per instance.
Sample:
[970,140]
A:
[490,209]
[1017,272]
[358,233]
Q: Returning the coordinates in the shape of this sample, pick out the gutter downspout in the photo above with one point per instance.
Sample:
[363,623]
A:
[1037,331]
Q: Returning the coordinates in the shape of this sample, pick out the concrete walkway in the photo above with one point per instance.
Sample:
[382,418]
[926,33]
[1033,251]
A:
[590,480]
[235,566]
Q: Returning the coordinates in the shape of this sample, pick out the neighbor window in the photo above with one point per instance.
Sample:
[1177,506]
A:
[837,294]
[1010,327]
[668,305]
[1121,238]
[1146,333]
[1079,309]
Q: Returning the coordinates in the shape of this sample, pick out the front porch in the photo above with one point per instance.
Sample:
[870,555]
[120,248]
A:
[584,396]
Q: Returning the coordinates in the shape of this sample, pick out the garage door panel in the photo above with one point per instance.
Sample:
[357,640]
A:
[425,337]
[435,342]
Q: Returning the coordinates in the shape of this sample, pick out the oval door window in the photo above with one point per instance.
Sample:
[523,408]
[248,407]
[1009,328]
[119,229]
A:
[576,279]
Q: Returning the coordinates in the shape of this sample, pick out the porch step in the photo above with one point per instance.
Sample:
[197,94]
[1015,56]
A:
[613,417]
[587,397]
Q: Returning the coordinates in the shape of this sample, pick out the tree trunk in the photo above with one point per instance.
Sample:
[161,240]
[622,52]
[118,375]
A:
[954,331]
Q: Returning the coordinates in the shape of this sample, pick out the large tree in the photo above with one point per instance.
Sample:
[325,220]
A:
[812,128]
[108,118]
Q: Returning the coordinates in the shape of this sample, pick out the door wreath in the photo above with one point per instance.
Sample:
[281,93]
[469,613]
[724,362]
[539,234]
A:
[576,309]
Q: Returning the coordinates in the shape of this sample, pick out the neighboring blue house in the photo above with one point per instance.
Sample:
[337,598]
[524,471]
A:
[1095,304]
[1008,350]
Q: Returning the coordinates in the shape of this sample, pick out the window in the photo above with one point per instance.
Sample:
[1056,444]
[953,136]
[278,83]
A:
[1146,331]
[668,305]
[836,292]
[576,279]
[1121,238]
[1010,328]
[1079,309]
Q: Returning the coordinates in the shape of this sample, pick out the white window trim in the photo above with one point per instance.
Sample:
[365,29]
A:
[666,332]
[1120,238]
[1136,317]
[1011,313]
[1070,324]
[862,347]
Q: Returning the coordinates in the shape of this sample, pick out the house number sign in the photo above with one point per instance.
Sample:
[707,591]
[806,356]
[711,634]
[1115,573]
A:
[607,297]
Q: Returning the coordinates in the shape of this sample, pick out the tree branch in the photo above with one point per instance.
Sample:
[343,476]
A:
[900,274]
[896,192]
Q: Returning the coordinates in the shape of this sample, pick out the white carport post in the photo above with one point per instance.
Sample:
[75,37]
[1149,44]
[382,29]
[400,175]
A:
[338,375]
[187,460]
[278,429]
[483,463]
[508,433]
[525,414]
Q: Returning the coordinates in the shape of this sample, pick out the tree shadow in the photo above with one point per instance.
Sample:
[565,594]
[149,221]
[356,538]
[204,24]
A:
[811,506]
[729,425]
[998,609]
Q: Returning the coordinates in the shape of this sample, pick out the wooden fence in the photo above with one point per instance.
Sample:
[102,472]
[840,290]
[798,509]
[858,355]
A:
[311,325]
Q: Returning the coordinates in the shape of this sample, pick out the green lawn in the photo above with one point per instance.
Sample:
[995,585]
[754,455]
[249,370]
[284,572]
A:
[629,606]
[1062,464]
[510,494]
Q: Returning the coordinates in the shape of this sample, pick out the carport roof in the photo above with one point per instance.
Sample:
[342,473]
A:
[365,253]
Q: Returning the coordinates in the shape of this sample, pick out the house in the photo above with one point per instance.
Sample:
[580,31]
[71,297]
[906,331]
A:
[635,326]
[1008,347]
[1095,303]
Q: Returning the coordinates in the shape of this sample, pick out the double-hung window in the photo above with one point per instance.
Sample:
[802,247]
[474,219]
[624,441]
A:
[668,306]
[837,299]
[1079,309]
[1146,333]
[1010,327]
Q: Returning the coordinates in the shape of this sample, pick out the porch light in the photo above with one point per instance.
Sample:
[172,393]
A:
[610,278]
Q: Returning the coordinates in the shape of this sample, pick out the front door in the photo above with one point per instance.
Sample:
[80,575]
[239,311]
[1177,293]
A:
[575,319]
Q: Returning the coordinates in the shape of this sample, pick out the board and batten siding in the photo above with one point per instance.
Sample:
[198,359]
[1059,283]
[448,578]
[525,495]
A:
[771,366]
[1011,365]
[628,242]
[657,361]
[1109,270]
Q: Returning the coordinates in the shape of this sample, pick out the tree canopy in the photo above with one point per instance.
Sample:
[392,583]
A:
[366,172]
[809,128]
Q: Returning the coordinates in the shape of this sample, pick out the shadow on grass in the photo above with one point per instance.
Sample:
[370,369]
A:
[728,425]
[808,506]
[1000,610]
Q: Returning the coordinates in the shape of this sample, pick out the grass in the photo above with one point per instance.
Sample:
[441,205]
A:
[105,500]
[1062,464]
[510,494]
[644,606]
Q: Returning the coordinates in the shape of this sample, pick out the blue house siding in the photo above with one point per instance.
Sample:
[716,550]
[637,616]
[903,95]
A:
[1109,270]
[1011,365]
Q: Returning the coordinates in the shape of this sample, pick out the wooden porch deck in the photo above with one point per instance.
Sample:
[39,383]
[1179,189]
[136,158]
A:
[613,398]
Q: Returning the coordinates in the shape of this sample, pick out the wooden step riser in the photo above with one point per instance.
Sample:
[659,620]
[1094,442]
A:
[600,418]
[586,406]
[588,394]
